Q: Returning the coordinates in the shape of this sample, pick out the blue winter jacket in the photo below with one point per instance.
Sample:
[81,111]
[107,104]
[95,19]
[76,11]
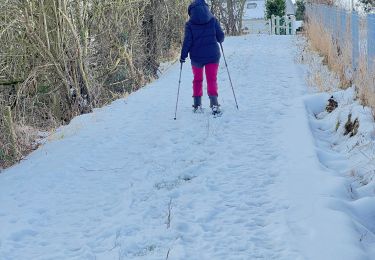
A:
[202,34]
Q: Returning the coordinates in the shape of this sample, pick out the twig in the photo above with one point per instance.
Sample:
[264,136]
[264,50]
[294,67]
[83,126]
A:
[168,254]
[169,214]
[101,170]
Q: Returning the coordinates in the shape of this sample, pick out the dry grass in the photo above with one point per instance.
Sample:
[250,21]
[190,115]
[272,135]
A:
[13,148]
[337,58]
[365,84]
[317,80]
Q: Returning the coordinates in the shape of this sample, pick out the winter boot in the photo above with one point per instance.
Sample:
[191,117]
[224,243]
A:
[214,104]
[213,101]
[197,106]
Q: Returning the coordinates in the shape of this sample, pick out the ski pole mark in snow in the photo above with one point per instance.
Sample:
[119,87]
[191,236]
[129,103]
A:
[107,190]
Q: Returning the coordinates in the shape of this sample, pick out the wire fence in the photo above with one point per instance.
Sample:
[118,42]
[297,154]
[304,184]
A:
[371,40]
[354,25]
[348,29]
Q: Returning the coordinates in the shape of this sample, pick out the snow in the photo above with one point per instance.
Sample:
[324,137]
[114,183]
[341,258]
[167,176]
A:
[256,26]
[129,182]
[347,157]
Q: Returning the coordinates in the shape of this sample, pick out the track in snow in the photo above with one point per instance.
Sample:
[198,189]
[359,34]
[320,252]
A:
[129,182]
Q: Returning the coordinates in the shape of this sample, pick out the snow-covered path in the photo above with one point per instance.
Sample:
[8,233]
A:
[129,182]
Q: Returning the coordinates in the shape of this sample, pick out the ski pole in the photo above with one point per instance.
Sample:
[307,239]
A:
[230,79]
[178,92]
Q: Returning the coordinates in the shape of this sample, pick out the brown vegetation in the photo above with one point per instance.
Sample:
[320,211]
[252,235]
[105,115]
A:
[365,83]
[351,127]
[332,105]
[337,58]
[61,58]
[230,13]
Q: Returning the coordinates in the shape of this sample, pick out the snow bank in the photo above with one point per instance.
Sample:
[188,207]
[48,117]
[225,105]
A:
[347,157]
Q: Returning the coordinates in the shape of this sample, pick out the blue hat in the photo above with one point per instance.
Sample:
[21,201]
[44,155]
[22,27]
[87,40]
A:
[195,4]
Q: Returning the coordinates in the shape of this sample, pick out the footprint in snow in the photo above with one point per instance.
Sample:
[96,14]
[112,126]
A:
[23,234]
[170,185]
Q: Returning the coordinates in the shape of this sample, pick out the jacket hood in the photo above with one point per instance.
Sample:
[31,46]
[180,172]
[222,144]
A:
[199,12]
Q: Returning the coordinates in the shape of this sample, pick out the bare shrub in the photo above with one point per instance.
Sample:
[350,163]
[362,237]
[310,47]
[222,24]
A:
[59,59]
[229,13]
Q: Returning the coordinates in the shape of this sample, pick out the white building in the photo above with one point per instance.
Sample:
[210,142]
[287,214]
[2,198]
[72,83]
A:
[255,12]
[253,18]
[290,8]
[254,9]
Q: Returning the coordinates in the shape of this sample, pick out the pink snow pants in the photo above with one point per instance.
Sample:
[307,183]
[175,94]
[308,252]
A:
[211,77]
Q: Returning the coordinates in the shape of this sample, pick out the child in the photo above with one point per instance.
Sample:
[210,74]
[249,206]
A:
[202,34]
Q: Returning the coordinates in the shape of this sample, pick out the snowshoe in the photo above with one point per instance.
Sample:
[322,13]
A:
[216,111]
[197,106]
[214,104]
[198,109]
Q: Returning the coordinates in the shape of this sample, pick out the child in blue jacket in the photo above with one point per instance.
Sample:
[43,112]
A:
[202,35]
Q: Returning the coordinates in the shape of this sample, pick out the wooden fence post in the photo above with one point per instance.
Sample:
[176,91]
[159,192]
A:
[293,20]
[277,25]
[288,25]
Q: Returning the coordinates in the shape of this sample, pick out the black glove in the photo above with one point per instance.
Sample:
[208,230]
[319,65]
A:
[182,60]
